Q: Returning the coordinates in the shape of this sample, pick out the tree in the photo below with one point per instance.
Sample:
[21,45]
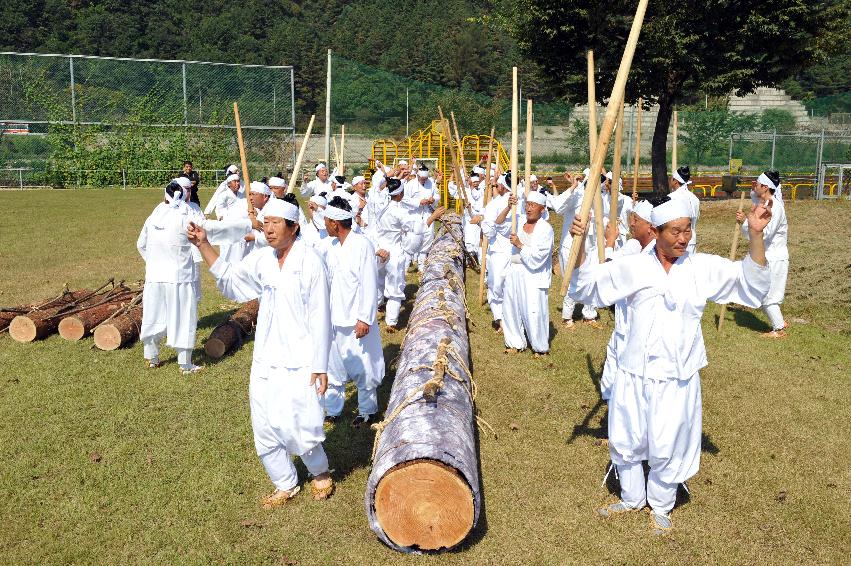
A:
[687,48]
[708,130]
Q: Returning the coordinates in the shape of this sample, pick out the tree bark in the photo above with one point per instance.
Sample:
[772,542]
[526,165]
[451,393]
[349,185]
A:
[659,150]
[120,331]
[43,322]
[423,490]
[233,331]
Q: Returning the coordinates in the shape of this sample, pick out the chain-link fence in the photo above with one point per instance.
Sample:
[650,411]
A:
[77,121]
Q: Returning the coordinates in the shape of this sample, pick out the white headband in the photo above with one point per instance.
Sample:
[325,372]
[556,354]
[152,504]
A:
[262,188]
[670,210]
[402,162]
[537,197]
[233,177]
[763,179]
[679,179]
[397,190]
[503,182]
[358,179]
[231,169]
[586,172]
[334,213]
[321,201]
[280,208]
[474,178]
[478,170]
[422,174]
[183,182]
[533,178]
[644,210]
[320,166]
[276,182]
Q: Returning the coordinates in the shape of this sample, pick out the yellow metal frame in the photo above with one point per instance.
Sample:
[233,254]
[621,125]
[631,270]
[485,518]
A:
[433,143]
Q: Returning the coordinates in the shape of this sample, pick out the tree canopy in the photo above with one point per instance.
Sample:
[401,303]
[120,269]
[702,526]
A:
[686,48]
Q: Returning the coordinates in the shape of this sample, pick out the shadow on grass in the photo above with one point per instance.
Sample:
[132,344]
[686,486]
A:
[744,318]
[613,485]
[584,428]
[214,319]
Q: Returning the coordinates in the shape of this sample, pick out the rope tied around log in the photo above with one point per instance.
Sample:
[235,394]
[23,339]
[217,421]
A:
[430,388]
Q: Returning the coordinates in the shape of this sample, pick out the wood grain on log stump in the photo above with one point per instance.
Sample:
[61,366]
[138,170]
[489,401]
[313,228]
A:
[424,503]
[76,326]
[233,331]
[38,324]
[121,330]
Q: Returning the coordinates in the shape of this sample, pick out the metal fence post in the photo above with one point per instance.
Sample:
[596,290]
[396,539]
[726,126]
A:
[185,105]
[124,179]
[21,177]
[73,94]
[773,146]
[292,113]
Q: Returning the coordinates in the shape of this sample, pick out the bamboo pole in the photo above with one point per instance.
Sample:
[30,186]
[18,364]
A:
[461,162]
[637,151]
[734,246]
[592,145]
[615,101]
[451,145]
[616,171]
[528,164]
[336,155]
[484,241]
[674,144]
[300,158]
[515,119]
[242,157]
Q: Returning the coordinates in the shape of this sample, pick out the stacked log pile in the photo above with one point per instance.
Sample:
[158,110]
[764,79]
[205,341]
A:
[423,492]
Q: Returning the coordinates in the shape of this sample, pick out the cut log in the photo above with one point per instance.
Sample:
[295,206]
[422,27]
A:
[233,331]
[423,491]
[6,317]
[43,322]
[81,324]
[120,331]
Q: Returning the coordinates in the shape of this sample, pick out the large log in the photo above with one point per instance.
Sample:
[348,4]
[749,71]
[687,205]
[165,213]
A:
[81,324]
[120,331]
[233,331]
[42,322]
[423,491]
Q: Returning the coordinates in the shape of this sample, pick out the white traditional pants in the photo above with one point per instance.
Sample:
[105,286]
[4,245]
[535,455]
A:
[359,360]
[170,311]
[287,420]
[568,304]
[610,366]
[659,421]
[525,312]
[391,283]
[497,267]
[771,304]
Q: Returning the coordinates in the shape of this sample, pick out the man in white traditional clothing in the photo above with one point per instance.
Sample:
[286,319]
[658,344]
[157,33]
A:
[496,226]
[223,186]
[678,184]
[767,189]
[655,410]
[314,233]
[234,191]
[278,186]
[526,311]
[291,347]
[624,208]
[399,236]
[643,239]
[421,194]
[169,301]
[356,353]
[260,195]
[321,184]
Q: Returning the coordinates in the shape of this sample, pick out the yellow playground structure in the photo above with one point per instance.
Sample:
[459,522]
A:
[431,145]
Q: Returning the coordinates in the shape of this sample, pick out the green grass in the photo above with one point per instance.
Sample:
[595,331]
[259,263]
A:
[102,461]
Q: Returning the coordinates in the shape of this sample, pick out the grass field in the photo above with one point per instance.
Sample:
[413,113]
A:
[102,461]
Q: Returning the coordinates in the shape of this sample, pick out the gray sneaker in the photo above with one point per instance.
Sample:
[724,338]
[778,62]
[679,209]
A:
[661,523]
[613,509]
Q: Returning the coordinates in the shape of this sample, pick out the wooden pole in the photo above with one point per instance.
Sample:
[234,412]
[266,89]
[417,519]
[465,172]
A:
[343,149]
[484,241]
[297,168]
[336,155]
[461,162]
[637,151]
[615,102]
[515,119]
[733,248]
[674,145]
[592,144]
[243,159]
[528,162]
[328,113]
[450,144]
[616,171]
